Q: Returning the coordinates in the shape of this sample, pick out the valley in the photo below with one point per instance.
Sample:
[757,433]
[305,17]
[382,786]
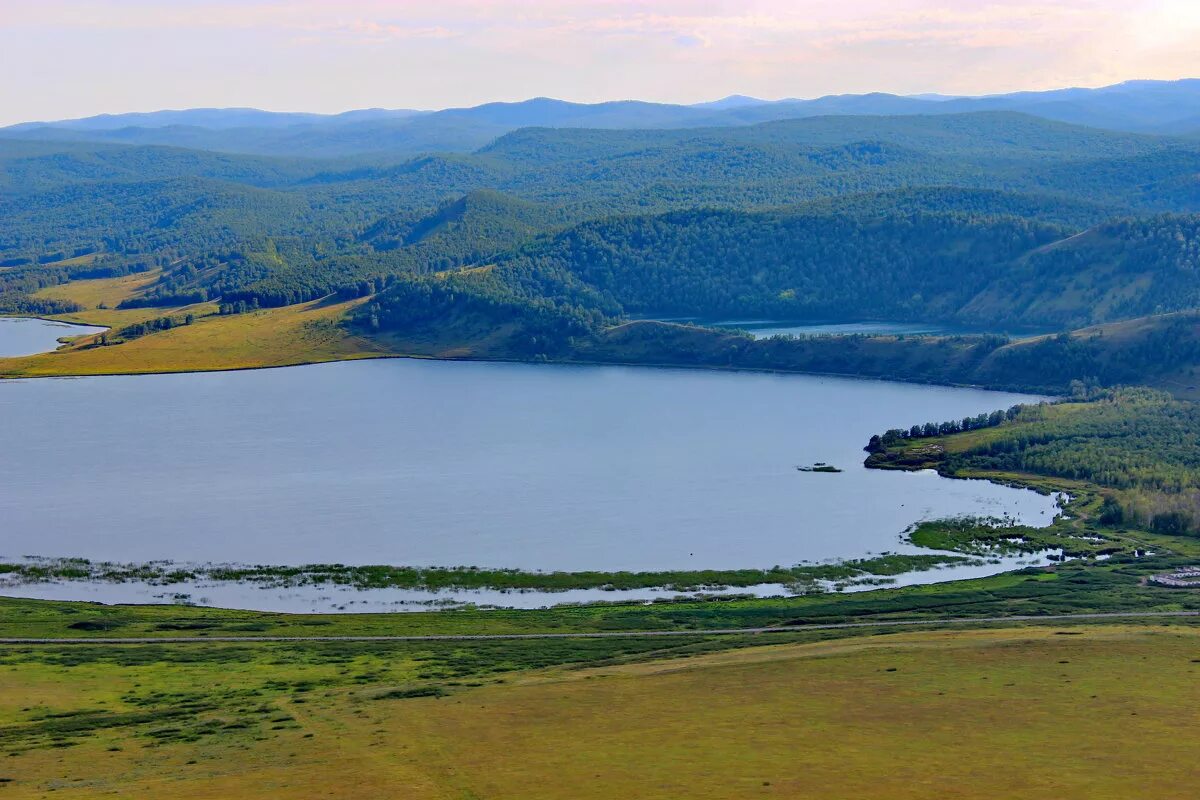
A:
[811,448]
[215,262]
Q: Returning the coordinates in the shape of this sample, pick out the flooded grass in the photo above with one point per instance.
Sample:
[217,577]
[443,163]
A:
[439,578]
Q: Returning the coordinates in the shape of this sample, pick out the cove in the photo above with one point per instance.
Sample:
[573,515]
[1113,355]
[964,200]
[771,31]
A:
[25,336]
[451,463]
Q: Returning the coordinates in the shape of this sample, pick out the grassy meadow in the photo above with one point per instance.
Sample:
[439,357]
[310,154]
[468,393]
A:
[299,334]
[1029,712]
[95,293]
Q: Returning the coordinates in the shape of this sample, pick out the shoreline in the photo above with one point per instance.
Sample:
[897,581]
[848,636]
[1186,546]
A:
[853,572]
[383,356]
[386,353]
[60,342]
[267,592]
[998,546]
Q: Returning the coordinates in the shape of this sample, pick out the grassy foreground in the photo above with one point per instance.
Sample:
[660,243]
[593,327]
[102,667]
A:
[1031,712]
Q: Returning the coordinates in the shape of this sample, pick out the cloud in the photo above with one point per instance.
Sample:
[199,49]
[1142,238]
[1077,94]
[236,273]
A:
[691,40]
[371,30]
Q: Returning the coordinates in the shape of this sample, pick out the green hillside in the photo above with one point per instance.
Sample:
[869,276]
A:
[543,240]
[1118,270]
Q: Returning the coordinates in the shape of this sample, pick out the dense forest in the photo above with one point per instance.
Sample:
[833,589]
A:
[546,241]
[791,265]
[1139,444]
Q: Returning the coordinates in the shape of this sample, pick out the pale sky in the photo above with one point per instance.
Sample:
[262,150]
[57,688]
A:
[71,58]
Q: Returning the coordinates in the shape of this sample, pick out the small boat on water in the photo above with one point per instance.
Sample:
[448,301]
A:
[819,466]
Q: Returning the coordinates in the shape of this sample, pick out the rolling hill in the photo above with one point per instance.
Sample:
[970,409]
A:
[546,240]
[1142,106]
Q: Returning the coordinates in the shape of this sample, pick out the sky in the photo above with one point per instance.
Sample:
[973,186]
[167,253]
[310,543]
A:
[71,58]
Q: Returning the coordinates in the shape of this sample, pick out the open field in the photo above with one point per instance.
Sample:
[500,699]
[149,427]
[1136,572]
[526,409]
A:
[1030,712]
[276,337]
[299,334]
[100,291]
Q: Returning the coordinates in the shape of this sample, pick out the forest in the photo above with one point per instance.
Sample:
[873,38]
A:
[553,242]
[1138,444]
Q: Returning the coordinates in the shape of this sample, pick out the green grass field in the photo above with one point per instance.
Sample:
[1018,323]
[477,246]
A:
[1052,712]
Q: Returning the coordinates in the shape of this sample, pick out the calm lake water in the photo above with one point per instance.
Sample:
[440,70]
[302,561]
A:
[765,329]
[21,336]
[504,465]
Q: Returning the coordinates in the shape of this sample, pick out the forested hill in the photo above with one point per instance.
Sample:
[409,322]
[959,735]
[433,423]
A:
[547,236]
[881,263]
[981,134]
[790,265]
[1118,270]
[800,264]
[65,198]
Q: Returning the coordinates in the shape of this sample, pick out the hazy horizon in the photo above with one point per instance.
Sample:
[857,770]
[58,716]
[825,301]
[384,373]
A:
[433,109]
[79,58]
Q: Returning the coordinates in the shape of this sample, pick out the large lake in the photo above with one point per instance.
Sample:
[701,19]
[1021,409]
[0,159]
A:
[437,463]
[24,336]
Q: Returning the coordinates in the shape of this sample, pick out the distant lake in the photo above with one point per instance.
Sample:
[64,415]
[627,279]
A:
[441,463]
[766,328]
[22,336]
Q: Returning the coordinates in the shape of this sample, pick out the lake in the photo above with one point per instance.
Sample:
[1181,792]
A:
[24,336]
[449,463]
[765,329]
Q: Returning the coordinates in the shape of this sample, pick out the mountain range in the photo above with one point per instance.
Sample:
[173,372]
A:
[1158,107]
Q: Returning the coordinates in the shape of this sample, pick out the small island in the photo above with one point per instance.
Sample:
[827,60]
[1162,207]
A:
[819,466]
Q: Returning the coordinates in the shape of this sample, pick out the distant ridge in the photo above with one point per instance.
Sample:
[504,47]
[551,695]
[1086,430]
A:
[1139,106]
[735,101]
[212,118]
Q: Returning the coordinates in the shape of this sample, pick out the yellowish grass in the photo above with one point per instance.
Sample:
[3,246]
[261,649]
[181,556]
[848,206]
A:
[1106,713]
[978,715]
[74,261]
[299,334]
[107,291]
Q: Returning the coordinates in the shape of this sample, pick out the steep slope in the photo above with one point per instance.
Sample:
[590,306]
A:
[1122,269]
[479,225]
[1160,350]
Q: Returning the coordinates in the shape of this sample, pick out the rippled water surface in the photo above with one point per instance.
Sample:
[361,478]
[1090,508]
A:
[506,465]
